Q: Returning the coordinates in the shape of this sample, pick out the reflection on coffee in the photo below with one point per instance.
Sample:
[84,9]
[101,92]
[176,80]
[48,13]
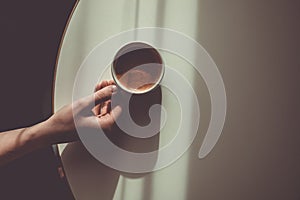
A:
[138,67]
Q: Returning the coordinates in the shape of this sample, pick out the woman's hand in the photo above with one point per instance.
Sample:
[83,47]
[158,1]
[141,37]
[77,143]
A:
[88,112]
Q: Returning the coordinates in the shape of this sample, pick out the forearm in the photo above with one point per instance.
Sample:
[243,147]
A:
[60,127]
[16,143]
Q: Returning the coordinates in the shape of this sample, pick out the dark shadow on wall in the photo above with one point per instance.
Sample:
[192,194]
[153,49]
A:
[30,35]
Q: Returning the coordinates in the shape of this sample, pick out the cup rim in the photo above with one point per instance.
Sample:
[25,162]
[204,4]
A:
[119,84]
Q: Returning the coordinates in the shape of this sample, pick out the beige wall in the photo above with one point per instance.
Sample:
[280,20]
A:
[255,44]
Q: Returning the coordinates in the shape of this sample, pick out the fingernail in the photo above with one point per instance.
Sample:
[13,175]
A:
[114,88]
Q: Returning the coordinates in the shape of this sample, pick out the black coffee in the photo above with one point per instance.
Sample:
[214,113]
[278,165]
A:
[138,66]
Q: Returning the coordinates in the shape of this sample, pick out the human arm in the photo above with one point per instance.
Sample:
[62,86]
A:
[61,127]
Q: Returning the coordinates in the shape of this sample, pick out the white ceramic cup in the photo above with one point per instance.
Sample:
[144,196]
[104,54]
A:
[137,68]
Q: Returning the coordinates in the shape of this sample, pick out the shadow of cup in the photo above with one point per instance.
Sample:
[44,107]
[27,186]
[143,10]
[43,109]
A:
[137,69]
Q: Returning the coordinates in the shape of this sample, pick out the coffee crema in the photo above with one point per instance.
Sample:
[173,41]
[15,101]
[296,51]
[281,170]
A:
[138,67]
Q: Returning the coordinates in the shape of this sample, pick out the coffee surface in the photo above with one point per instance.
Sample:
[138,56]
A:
[138,66]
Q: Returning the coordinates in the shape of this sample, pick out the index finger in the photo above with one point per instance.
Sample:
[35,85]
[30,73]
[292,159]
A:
[103,84]
[99,96]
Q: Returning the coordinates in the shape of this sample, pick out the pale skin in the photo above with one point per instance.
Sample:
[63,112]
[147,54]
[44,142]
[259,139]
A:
[60,127]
